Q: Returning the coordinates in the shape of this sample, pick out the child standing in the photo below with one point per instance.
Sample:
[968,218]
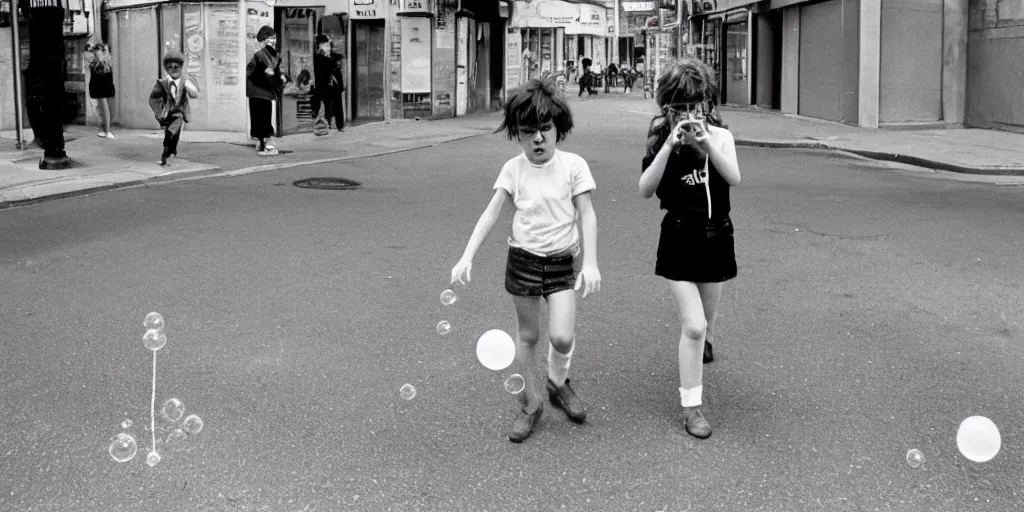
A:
[549,189]
[691,163]
[169,101]
[101,85]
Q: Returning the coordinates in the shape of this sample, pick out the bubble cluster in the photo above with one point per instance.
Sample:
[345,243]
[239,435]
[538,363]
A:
[495,349]
[978,439]
[408,392]
[193,424]
[448,297]
[154,339]
[915,458]
[173,409]
[123,447]
[444,327]
[515,384]
[176,439]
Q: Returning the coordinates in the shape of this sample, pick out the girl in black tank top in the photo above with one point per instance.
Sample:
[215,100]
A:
[690,163]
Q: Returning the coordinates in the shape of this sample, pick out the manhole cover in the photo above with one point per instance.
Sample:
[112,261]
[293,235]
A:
[327,183]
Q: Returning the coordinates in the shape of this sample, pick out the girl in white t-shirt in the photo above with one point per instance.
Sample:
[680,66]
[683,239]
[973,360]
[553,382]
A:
[550,189]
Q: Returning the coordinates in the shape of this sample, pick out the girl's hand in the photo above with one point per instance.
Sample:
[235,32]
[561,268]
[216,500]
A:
[674,141]
[591,277]
[695,132]
[462,270]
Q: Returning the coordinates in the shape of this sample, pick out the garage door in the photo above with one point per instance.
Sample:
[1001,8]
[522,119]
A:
[821,60]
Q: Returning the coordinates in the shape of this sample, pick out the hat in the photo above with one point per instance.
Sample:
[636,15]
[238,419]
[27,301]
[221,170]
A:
[266,32]
[321,39]
[174,56]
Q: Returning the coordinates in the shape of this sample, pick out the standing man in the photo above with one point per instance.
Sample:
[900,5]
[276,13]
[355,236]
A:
[328,84]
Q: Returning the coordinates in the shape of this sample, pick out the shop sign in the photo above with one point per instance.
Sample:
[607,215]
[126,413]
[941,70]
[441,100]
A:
[415,6]
[574,18]
[364,9]
[638,6]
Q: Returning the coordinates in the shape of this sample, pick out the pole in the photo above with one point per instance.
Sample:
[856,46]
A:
[615,47]
[16,58]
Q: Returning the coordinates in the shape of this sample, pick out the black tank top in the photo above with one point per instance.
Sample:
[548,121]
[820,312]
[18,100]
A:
[688,191]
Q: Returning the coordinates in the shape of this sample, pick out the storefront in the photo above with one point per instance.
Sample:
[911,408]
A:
[548,34]
[369,60]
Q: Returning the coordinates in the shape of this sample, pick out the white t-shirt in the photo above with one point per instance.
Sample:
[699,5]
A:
[545,219]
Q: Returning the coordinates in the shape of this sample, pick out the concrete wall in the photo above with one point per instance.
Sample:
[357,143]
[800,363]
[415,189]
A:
[6,81]
[764,61]
[954,61]
[911,61]
[854,57]
[790,59]
[995,67]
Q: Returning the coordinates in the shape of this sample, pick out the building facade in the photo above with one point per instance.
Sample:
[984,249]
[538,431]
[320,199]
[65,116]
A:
[543,36]
[995,64]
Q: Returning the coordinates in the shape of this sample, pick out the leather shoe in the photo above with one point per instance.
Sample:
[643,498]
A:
[565,398]
[708,354]
[524,424]
[696,425]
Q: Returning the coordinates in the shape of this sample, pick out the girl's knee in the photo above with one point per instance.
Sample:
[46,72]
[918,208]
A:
[528,336]
[694,328]
[561,342]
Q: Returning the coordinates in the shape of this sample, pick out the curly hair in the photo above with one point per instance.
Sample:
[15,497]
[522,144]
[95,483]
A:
[534,104]
[687,80]
[101,62]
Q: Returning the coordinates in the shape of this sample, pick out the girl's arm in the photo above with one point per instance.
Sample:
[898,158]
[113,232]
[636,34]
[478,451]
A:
[480,232]
[724,157]
[590,275]
[651,177]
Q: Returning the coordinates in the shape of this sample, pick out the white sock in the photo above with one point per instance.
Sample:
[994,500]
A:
[690,397]
[558,364]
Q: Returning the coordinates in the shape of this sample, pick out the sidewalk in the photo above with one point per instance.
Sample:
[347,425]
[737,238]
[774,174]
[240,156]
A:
[966,151]
[131,158]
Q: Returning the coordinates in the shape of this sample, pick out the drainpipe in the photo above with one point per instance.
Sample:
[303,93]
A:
[16,54]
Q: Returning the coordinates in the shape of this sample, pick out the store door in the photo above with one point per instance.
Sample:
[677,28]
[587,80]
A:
[462,67]
[737,82]
[821,60]
[368,70]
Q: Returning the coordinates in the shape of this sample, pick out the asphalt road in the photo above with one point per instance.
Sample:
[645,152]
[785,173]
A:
[876,308]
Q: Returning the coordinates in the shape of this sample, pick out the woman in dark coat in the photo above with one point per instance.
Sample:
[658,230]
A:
[264,82]
[101,85]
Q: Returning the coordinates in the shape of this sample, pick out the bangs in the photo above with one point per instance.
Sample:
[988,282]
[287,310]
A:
[535,104]
[538,110]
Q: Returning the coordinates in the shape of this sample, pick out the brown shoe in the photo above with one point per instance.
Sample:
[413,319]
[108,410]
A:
[524,424]
[565,398]
[709,355]
[696,425]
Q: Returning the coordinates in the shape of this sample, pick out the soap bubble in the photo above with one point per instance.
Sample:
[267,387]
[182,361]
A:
[126,424]
[154,321]
[192,424]
[176,439]
[444,327]
[408,392]
[153,459]
[154,339]
[978,439]
[123,448]
[915,458]
[514,384]
[495,349]
[448,297]
[173,409]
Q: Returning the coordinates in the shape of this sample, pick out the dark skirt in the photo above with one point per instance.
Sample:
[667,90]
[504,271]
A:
[260,122]
[696,252]
[101,85]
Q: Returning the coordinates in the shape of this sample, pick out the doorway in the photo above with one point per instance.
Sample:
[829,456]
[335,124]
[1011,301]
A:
[368,60]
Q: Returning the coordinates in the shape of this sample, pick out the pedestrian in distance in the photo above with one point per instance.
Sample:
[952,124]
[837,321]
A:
[628,77]
[328,84]
[550,190]
[101,85]
[169,101]
[264,82]
[690,163]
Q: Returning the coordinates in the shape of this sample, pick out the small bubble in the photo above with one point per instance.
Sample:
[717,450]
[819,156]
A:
[154,321]
[153,459]
[444,327]
[408,392]
[915,458]
[154,339]
[514,384]
[123,448]
[176,439]
[126,424]
[448,297]
[173,409]
[192,424]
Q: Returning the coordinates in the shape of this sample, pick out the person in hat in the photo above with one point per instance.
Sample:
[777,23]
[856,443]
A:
[264,82]
[328,83]
[169,101]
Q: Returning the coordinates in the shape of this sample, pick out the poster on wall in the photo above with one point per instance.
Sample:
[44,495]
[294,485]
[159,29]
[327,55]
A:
[513,62]
[416,55]
[257,15]
[226,69]
[195,45]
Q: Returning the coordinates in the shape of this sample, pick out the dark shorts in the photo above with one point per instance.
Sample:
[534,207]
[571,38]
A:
[529,275]
[698,253]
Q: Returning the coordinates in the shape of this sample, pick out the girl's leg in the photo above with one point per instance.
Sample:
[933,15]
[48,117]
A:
[105,114]
[562,334]
[710,294]
[528,315]
[691,348]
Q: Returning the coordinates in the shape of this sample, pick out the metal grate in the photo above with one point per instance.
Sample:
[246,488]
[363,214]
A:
[327,183]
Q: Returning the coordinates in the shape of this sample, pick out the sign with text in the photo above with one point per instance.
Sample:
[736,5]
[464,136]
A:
[367,9]
[638,6]
[415,6]
[584,19]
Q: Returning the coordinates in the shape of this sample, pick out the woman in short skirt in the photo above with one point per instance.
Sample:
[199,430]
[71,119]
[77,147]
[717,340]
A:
[101,85]
[691,164]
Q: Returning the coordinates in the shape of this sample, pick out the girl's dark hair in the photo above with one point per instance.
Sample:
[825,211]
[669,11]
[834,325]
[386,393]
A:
[687,80]
[534,104]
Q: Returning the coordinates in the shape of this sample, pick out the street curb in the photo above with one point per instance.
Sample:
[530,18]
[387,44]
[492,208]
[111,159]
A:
[888,157]
[211,172]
